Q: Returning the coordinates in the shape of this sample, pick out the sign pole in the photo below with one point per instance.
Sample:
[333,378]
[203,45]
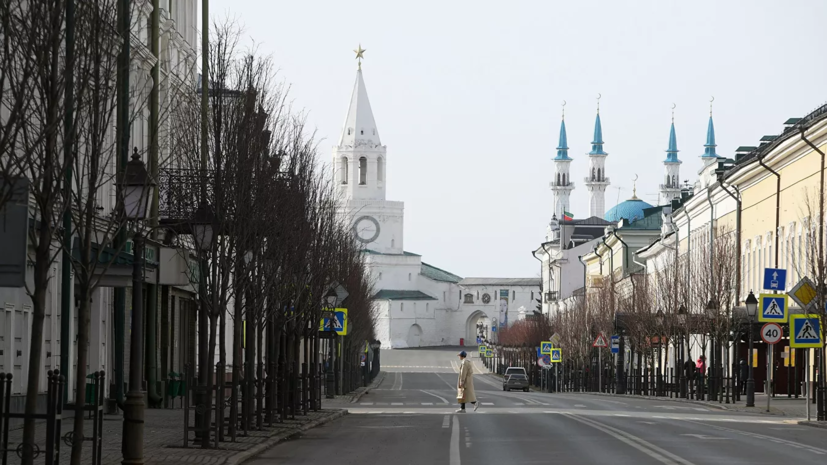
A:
[807,380]
[599,370]
[769,373]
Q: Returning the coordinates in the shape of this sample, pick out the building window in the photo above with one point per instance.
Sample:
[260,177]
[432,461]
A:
[444,296]
[599,176]
[349,131]
[513,296]
[380,275]
[427,306]
[593,171]
[558,179]
[401,306]
[362,132]
[380,169]
[343,169]
[469,298]
[409,276]
[363,171]
[393,241]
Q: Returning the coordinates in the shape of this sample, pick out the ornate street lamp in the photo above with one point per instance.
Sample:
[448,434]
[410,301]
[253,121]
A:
[682,314]
[331,299]
[203,226]
[660,316]
[752,310]
[138,188]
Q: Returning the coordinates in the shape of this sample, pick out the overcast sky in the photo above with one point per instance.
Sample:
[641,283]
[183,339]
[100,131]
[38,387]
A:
[467,96]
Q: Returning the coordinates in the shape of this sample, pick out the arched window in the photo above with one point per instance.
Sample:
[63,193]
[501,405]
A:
[380,169]
[674,181]
[363,171]
[599,175]
[592,174]
[344,169]
[565,181]
[349,131]
[362,132]
[558,179]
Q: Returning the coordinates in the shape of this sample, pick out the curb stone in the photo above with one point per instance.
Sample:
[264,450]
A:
[376,382]
[814,424]
[248,454]
[668,399]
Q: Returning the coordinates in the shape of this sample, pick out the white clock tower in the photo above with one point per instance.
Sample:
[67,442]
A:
[359,164]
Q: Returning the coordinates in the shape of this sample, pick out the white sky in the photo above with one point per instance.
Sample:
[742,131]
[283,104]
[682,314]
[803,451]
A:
[467,95]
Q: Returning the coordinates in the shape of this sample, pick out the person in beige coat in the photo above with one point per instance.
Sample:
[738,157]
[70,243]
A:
[465,384]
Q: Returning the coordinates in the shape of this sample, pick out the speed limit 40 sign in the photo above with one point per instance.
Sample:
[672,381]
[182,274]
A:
[771,333]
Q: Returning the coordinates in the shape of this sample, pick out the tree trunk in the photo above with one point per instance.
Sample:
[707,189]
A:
[41,279]
[80,379]
[205,439]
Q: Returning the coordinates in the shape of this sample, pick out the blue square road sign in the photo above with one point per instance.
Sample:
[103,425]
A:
[615,344]
[775,279]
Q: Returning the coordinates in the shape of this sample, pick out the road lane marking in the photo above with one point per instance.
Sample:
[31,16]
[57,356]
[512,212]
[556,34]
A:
[366,403]
[797,445]
[397,382]
[702,436]
[646,447]
[453,454]
[427,403]
[397,403]
[446,421]
[444,400]
[486,403]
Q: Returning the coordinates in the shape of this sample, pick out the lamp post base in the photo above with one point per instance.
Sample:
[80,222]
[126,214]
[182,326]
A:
[750,392]
[132,446]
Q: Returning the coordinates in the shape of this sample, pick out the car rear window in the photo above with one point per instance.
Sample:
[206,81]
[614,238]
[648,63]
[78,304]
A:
[517,376]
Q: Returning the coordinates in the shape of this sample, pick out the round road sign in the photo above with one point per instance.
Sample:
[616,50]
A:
[771,333]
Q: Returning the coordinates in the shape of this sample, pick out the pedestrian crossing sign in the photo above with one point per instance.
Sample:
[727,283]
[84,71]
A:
[805,331]
[556,355]
[489,353]
[773,308]
[545,347]
[482,350]
[339,323]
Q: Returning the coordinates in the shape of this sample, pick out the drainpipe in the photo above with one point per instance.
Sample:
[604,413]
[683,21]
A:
[600,261]
[549,270]
[821,381]
[611,261]
[626,248]
[533,254]
[737,234]
[777,204]
[580,257]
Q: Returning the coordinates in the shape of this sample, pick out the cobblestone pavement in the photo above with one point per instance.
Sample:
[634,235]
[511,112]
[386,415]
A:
[164,439]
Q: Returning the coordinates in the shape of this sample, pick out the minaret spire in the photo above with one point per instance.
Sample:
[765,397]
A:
[561,184]
[596,181]
[709,147]
[670,189]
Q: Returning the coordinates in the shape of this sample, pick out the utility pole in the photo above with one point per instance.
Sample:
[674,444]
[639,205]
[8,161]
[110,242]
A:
[68,157]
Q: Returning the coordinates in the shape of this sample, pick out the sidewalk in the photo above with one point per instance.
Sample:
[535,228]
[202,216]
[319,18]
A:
[164,437]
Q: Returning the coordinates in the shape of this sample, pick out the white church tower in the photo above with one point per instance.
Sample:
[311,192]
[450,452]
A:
[561,185]
[671,187]
[359,163]
[597,181]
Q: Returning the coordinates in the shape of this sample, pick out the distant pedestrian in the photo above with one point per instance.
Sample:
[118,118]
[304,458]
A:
[465,384]
[701,365]
[743,370]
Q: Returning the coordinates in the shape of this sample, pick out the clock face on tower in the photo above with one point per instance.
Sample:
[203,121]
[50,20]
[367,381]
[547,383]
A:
[366,229]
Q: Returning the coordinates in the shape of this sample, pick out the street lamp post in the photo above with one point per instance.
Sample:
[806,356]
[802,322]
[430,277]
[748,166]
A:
[681,371]
[203,226]
[331,299]
[712,315]
[660,316]
[752,309]
[138,188]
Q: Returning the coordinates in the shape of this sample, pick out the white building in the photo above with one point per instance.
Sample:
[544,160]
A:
[417,304]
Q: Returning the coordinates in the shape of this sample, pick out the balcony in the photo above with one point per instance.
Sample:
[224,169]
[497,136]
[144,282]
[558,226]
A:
[596,180]
[551,296]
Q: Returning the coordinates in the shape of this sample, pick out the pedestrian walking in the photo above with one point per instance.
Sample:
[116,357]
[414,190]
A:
[465,384]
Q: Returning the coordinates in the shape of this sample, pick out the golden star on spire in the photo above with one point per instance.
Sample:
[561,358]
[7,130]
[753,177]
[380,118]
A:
[360,55]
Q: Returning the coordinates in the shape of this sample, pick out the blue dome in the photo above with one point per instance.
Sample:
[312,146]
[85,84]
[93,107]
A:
[631,210]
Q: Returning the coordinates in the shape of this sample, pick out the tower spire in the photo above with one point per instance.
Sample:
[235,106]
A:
[709,147]
[670,189]
[561,184]
[596,180]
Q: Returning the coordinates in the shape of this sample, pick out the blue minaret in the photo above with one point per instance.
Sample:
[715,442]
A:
[670,188]
[596,180]
[561,184]
[709,147]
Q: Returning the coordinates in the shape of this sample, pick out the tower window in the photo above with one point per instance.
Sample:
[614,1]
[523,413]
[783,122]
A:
[374,131]
[362,132]
[593,174]
[380,169]
[349,131]
[599,175]
[363,171]
[558,179]
[343,169]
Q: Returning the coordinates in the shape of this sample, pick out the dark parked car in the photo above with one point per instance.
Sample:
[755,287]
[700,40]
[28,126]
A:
[515,378]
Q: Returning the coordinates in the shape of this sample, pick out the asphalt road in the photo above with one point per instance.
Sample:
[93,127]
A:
[409,420]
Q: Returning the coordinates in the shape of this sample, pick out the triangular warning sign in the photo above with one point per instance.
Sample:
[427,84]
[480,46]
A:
[806,331]
[600,341]
[774,309]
